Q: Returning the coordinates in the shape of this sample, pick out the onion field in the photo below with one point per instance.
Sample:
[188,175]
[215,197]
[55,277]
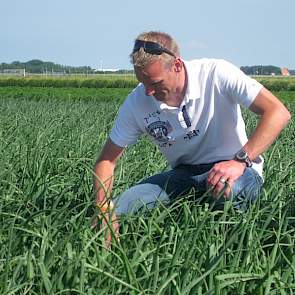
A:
[49,141]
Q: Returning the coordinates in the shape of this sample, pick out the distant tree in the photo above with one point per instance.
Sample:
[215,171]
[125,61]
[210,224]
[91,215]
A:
[261,70]
[38,66]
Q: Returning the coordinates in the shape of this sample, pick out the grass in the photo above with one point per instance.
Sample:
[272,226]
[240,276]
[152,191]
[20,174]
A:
[278,83]
[47,150]
[99,81]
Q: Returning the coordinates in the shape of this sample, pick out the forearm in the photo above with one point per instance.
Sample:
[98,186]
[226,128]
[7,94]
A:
[104,171]
[273,119]
[103,181]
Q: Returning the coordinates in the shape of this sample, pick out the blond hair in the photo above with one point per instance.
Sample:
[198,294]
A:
[141,58]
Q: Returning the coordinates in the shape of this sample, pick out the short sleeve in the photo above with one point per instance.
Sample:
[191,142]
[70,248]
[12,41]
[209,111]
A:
[236,84]
[125,131]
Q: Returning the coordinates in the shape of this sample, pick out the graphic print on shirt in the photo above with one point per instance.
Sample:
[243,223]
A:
[158,129]
[191,134]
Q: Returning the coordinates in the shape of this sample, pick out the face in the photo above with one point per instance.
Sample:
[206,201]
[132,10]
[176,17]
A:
[165,84]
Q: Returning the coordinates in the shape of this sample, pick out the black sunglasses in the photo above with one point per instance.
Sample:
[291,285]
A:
[151,47]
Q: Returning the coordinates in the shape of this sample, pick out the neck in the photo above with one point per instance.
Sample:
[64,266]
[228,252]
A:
[182,88]
[185,82]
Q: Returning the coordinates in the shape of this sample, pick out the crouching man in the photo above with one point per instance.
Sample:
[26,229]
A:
[191,110]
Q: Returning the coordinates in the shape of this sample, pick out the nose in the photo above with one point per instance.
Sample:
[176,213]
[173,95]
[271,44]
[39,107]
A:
[149,90]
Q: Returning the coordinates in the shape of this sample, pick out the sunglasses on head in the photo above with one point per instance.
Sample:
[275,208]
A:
[151,47]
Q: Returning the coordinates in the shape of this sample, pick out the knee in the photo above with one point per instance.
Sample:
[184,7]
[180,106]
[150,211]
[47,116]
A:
[247,189]
[140,196]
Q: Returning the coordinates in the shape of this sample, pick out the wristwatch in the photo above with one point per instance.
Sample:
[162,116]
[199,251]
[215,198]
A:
[242,156]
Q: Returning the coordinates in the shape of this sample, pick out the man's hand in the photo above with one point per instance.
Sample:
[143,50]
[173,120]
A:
[109,223]
[223,175]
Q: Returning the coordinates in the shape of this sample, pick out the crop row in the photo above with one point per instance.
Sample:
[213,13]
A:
[278,84]
[85,94]
[272,83]
[79,82]
[44,94]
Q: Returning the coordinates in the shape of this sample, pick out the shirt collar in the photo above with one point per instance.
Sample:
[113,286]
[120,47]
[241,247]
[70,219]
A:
[193,86]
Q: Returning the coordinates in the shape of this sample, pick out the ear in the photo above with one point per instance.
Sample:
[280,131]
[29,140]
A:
[178,65]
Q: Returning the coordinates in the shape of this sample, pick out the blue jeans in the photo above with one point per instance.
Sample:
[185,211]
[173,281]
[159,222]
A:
[180,180]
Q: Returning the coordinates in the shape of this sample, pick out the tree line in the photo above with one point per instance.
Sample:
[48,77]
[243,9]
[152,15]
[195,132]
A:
[261,70]
[42,67]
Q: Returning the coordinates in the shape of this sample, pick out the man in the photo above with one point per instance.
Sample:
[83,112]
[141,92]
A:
[191,110]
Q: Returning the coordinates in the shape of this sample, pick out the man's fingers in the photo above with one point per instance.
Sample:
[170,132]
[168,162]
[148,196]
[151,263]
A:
[228,190]
[220,187]
[222,177]
[223,188]
[214,179]
[218,183]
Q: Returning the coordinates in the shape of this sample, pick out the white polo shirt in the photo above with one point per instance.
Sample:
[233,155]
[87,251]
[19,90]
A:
[208,125]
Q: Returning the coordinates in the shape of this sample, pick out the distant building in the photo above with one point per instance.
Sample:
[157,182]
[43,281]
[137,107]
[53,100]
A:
[285,72]
[13,72]
[106,70]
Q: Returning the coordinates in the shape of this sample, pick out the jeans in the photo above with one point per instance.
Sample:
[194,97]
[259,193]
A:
[165,187]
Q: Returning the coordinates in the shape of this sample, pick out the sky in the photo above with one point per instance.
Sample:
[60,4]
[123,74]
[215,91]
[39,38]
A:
[101,34]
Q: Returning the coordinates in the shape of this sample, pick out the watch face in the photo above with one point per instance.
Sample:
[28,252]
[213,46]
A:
[242,155]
